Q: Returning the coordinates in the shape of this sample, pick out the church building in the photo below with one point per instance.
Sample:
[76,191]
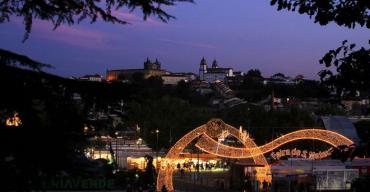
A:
[150,69]
[214,73]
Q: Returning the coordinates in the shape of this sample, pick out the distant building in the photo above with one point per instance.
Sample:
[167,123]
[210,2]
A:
[228,98]
[191,76]
[282,79]
[127,149]
[223,90]
[96,77]
[299,78]
[232,102]
[236,80]
[238,73]
[201,87]
[213,73]
[173,79]
[151,69]
[357,106]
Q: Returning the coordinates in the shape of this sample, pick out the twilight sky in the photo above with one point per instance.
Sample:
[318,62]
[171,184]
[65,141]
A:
[242,34]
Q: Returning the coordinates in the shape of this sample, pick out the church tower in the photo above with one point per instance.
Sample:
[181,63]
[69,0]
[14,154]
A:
[157,64]
[215,64]
[202,69]
[147,64]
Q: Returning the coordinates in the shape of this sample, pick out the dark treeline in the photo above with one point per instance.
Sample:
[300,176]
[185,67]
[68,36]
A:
[253,88]
[49,140]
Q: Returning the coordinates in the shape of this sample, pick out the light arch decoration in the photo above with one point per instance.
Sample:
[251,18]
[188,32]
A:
[207,144]
[205,140]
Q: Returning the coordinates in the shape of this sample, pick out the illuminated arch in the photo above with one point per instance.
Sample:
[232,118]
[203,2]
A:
[212,129]
[209,145]
[206,134]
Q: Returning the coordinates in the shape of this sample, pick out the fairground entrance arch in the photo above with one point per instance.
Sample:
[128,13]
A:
[216,128]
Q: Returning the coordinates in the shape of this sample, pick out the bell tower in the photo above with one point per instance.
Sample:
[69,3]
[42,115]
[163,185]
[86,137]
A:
[202,68]
[215,64]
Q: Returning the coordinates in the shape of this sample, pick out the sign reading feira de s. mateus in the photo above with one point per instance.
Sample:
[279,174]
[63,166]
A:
[297,153]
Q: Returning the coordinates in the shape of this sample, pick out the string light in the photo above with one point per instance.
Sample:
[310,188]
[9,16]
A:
[209,145]
[213,128]
[301,153]
[217,129]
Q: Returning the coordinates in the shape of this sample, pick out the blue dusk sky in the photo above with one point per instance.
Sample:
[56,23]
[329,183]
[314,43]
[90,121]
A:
[242,34]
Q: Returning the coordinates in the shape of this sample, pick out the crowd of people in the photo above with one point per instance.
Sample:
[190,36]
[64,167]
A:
[201,166]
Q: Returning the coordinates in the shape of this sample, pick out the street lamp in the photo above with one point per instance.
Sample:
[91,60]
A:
[139,142]
[116,133]
[156,153]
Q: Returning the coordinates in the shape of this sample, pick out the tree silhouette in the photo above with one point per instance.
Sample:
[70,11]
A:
[353,68]
[346,13]
[254,73]
[13,59]
[347,70]
[74,11]
[253,79]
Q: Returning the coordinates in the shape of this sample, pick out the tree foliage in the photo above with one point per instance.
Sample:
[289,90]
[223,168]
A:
[13,59]
[253,79]
[353,67]
[348,13]
[153,114]
[363,131]
[255,73]
[347,70]
[51,127]
[74,11]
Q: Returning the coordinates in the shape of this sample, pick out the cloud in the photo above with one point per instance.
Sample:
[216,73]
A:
[72,35]
[186,43]
[75,35]
[133,18]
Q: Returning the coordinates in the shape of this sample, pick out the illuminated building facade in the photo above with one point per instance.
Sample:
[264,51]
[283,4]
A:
[214,73]
[151,69]
[173,79]
[96,78]
[128,153]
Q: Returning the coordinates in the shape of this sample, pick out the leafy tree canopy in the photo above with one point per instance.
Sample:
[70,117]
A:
[346,13]
[347,70]
[74,11]
[14,59]
[254,73]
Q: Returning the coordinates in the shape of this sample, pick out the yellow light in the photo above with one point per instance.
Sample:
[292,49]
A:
[139,141]
[13,121]
[209,145]
[216,128]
